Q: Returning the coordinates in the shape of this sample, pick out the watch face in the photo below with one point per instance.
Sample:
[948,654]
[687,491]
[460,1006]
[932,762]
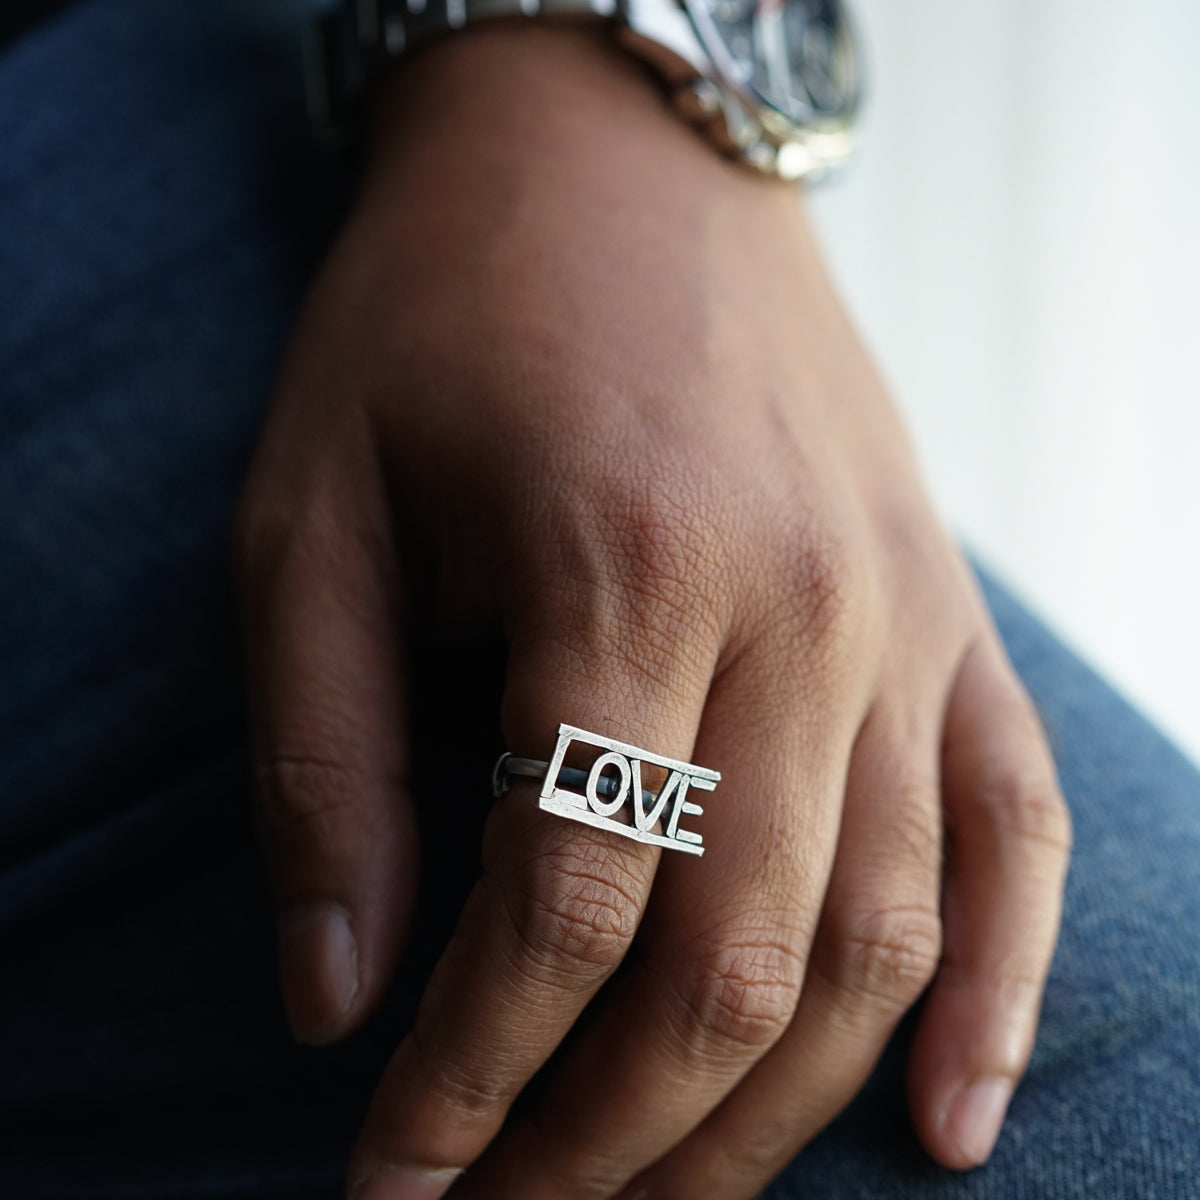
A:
[793,56]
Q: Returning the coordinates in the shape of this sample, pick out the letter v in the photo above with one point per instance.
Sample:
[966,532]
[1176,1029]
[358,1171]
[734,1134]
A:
[645,821]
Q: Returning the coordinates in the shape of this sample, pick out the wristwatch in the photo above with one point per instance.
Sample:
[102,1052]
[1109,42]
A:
[773,83]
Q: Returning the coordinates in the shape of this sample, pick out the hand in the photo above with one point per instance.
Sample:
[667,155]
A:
[602,375]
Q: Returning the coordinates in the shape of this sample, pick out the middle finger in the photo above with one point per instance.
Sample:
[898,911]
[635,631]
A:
[875,951]
[723,946]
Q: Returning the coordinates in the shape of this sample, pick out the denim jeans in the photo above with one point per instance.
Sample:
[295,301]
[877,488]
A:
[161,208]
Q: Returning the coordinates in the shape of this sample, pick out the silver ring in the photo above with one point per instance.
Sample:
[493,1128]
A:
[598,799]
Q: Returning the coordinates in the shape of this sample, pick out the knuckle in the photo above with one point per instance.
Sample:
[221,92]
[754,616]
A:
[822,602]
[647,588]
[304,799]
[669,545]
[832,584]
[577,906]
[887,955]
[761,1150]
[1027,808]
[741,999]
[918,822]
[465,1094]
[319,523]
[580,1168]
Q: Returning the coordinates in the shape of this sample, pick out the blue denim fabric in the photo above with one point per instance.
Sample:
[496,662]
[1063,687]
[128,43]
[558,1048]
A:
[161,207]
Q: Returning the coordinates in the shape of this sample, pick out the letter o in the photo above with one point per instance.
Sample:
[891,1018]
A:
[606,808]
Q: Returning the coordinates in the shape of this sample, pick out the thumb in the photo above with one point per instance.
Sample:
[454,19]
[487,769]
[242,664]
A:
[321,601]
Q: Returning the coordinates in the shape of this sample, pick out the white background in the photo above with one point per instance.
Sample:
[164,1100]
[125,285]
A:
[1020,241]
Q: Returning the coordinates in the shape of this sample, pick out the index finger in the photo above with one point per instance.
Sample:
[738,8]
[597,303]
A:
[550,920]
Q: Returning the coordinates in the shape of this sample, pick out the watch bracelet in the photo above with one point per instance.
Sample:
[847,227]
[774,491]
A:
[351,43]
[348,44]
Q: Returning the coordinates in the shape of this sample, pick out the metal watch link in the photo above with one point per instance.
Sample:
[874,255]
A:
[774,83]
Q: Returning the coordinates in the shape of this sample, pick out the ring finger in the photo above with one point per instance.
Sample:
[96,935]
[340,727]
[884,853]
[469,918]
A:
[721,956]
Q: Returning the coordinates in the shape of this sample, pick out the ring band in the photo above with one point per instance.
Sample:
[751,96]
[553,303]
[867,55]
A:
[509,765]
[595,798]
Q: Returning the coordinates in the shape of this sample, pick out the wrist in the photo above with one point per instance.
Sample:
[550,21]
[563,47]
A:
[519,94]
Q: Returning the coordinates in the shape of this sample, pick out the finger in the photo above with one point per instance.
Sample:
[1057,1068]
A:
[1009,837]
[550,920]
[321,614]
[876,949]
[722,953]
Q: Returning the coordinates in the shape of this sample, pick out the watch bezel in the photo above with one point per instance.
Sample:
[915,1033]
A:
[826,136]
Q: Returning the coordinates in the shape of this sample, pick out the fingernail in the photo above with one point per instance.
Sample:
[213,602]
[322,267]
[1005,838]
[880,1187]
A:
[318,968]
[975,1115]
[404,1183]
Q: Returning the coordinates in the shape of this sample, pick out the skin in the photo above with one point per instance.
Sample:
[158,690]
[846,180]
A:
[601,375]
